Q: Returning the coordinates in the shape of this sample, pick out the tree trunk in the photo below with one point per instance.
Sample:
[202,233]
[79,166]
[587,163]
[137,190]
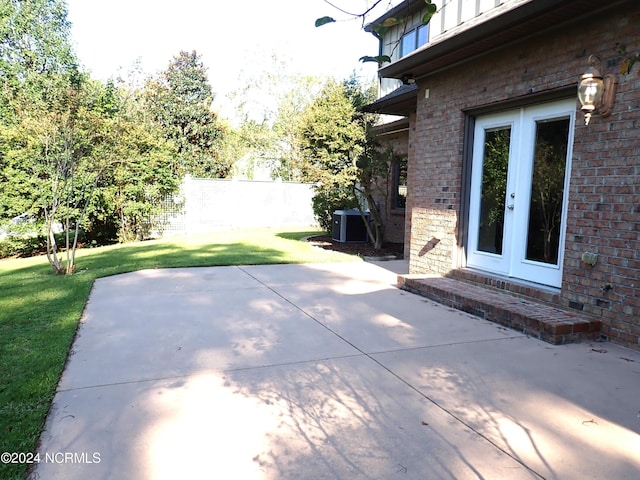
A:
[375,227]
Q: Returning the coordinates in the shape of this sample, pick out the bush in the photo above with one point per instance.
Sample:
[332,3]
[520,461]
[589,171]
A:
[21,246]
[30,245]
[325,202]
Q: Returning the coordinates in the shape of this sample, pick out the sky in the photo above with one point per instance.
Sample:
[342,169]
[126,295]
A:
[239,41]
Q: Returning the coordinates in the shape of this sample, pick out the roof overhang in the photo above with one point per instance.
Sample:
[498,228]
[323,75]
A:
[402,101]
[527,20]
[405,8]
[392,128]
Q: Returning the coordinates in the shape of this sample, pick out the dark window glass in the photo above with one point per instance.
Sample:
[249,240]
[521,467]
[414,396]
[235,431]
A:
[494,188]
[547,190]
[400,183]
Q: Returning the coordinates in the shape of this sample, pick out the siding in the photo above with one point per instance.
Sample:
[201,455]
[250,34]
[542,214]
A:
[452,17]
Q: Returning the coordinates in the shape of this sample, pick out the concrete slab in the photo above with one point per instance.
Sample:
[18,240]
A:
[341,418]
[378,318]
[132,331]
[565,411]
[175,280]
[326,371]
[325,273]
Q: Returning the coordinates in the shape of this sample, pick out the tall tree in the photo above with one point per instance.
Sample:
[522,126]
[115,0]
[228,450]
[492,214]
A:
[266,107]
[35,51]
[143,167]
[37,64]
[67,143]
[342,157]
[52,147]
[303,91]
[39,85]
[180,99]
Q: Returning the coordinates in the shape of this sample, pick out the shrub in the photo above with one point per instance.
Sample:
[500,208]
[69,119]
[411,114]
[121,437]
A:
[327,201]
[21,246]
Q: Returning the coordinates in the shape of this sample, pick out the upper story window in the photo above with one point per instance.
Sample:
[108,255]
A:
[413,39]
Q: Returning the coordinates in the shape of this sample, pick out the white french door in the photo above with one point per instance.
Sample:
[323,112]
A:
[519,185]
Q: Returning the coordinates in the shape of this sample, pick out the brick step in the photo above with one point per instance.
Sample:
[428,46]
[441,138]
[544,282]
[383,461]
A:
[537,319]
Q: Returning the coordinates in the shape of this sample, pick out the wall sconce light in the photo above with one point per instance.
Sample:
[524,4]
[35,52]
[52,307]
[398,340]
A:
[595,92]
[407,79]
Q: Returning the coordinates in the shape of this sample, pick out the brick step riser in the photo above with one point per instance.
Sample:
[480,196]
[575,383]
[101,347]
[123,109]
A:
[541,321]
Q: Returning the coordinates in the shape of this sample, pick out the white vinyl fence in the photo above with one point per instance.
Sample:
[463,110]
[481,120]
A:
[211,204]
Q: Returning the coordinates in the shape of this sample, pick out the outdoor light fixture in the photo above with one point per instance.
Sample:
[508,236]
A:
[407,79]
[595,92]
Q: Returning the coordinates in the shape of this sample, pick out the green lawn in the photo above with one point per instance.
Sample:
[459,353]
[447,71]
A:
[39,312]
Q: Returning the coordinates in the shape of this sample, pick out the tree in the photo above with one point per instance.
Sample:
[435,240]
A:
[267,108]
[495,164]
[74,153]
[36,60]
[40,83]
[53,146]
[292,104]
[144,165]
[373,164]
[180,99]
[35,51]
[549,169]
[329,138]
[342,157]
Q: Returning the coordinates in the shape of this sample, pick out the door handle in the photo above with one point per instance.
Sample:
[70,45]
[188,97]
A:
[510,207]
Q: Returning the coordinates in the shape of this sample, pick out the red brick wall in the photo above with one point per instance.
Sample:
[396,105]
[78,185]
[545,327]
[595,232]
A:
[604,193]
[394,218]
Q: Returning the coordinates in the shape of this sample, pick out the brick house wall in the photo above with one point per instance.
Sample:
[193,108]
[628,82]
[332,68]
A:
[394,218]
[604,192]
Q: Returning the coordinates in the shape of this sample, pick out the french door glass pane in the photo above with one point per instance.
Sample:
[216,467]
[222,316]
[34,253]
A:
[547,190]
[494,188]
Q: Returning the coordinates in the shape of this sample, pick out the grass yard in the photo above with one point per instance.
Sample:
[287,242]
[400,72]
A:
[39,312]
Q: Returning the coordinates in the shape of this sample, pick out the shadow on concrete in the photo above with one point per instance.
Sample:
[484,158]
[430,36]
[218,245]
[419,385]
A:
[308,371]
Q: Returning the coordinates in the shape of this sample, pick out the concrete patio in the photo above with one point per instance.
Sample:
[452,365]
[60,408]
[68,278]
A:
[322,372]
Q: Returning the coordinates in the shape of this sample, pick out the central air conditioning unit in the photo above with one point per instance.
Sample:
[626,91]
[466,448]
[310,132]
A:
[348,226]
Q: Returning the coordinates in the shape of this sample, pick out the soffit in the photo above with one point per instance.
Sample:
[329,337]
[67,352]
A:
[405,8]
[402,101]
[391,128]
